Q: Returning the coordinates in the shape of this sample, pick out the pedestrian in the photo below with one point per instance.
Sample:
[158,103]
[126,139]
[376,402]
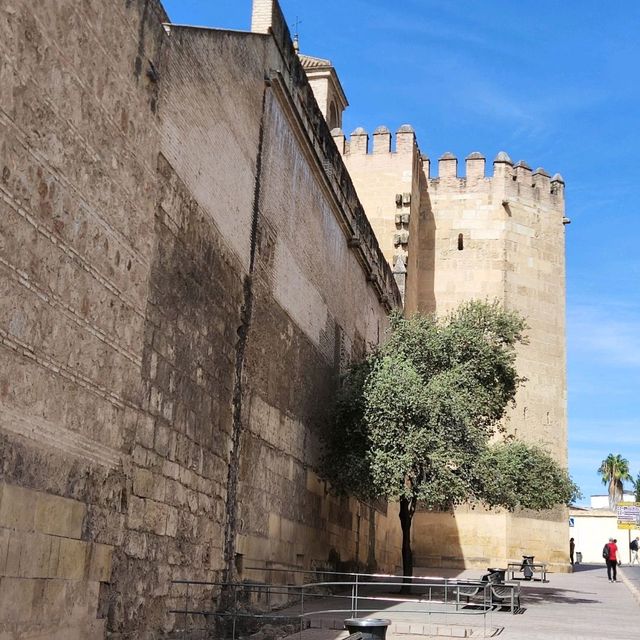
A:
[633,546]
[572,548]
[610,554]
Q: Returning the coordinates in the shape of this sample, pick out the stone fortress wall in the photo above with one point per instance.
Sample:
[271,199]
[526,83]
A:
[174,313]
[496,237]
[173,316]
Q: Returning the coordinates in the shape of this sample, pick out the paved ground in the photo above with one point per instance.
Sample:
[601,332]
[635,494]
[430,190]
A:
[578,606]
[583,605]
[631,577]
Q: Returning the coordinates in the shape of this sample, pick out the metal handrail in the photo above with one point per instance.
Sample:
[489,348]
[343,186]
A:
[346,573]
[450,603]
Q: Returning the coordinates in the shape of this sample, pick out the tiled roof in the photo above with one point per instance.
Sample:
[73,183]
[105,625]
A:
[309,62]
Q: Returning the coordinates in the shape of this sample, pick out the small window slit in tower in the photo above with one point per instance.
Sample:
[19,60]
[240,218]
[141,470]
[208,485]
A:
[460,242]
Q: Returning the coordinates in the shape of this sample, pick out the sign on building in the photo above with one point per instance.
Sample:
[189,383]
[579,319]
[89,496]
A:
[628,515]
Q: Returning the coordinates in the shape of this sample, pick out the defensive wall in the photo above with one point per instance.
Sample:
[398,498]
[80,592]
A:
[497,236]
[173,316]
[388,185]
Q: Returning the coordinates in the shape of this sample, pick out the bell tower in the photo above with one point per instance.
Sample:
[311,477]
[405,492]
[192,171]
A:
[326,88]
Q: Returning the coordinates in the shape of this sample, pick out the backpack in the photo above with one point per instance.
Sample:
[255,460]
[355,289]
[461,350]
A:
[606,551]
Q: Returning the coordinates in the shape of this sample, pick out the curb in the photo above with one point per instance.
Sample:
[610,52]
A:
[635,591]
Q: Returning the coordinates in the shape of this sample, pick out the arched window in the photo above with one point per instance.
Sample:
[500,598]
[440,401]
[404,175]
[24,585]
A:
[332,116]
[460,242]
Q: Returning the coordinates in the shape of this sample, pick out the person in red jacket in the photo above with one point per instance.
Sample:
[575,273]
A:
[612,560]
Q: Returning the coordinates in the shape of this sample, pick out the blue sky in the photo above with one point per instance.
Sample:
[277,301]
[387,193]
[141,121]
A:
[554,83]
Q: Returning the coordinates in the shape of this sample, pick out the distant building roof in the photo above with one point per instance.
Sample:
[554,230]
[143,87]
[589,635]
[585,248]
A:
[311,62]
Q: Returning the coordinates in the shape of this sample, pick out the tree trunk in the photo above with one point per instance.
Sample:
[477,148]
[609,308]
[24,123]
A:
[614,493]
[407,509]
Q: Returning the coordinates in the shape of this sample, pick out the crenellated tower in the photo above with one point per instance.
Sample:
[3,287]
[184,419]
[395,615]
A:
[500,236]
[453,236]
[497,235]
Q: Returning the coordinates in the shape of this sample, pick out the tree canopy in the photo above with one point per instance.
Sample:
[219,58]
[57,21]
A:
[416,420]
[523,475]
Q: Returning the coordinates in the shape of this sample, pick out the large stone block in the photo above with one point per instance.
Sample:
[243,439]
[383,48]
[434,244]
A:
[59,516]
[16,600]
[99,561]
[4,549]
[135,544]
[14,550]
[148,485]
[53,601]
[155,517]
[28,510]
[17,507]
[72,559]
[172,522]
[135,519]
[35,555]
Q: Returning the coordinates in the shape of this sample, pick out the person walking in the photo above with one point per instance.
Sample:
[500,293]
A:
[610,554]
[633,546]
[572,548]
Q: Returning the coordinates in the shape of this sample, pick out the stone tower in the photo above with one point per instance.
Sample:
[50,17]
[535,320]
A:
[501,237]
[388,183]
[326,87]
[452,238]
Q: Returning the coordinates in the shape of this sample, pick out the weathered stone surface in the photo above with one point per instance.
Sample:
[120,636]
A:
[173,315]
[485,237]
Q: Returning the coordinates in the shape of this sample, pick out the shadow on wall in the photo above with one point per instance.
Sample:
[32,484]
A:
[436,544]
[420,273]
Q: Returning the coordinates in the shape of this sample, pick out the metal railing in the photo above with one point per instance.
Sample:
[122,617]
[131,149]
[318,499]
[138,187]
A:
[234,607]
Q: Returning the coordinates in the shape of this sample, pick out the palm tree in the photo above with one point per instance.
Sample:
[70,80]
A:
[614,471]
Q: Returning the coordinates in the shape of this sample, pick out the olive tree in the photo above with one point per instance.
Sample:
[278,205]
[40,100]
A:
[416,421]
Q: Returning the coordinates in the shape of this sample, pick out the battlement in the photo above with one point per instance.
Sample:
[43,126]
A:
[475,168]
[358,141]
[513,179]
